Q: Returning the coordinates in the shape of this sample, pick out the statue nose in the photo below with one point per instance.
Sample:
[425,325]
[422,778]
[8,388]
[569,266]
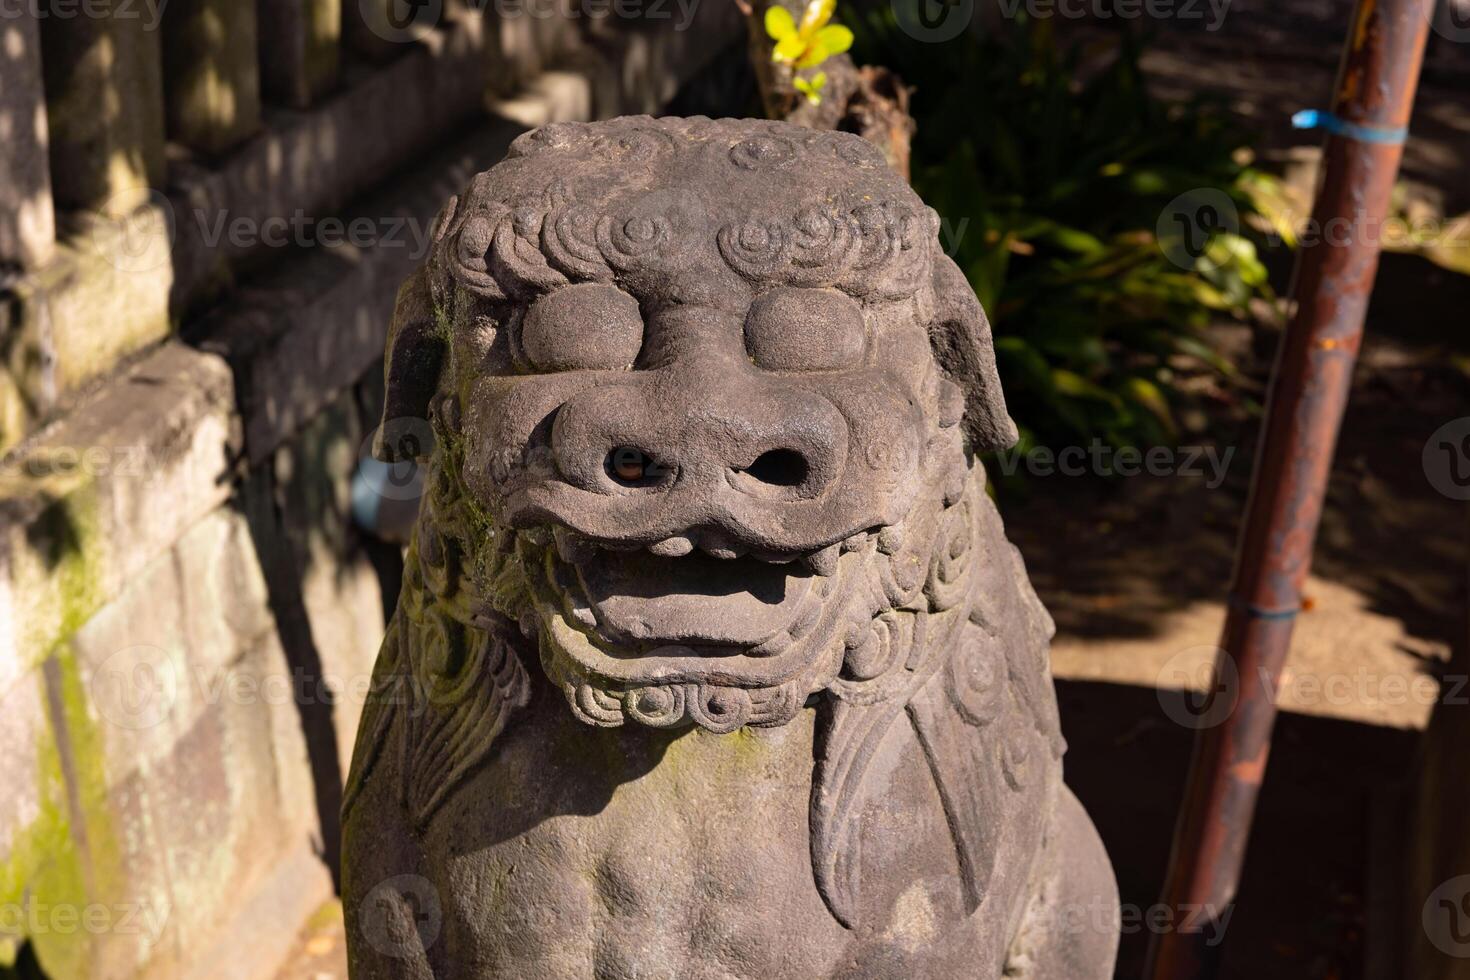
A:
[772,442]
[773,473]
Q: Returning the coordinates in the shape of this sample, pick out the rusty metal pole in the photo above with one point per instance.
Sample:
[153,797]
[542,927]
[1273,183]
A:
[1309,391]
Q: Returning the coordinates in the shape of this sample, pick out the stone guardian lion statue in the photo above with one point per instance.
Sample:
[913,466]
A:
[712,659]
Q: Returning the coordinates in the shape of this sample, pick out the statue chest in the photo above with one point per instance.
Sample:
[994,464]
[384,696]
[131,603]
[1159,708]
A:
[637,854]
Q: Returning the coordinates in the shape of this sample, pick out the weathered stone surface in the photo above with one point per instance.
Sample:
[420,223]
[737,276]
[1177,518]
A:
[184,743]
[210,58]
[302,334]
[170,255]
[158,657]
[113,272]
[104,94]
[23,728]
[339,587]
[298,885]
[300,49]
[310,165]
[527,39]
[711,655]
[27,217]
[89,504]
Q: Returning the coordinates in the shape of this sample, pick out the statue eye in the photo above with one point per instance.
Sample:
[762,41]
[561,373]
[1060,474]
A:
[587,327]
[805,330]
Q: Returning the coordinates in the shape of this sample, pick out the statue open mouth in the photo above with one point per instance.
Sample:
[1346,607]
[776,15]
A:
[716,623]
[717,597]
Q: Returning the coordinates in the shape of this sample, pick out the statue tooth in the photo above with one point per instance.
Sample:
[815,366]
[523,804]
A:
[675,547]
[583,614]
[890,539]
[824,562]
[720,546]
[853,542]
[572,547]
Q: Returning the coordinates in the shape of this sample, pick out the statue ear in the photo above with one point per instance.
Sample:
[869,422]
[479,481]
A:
[960,337]
[414,362]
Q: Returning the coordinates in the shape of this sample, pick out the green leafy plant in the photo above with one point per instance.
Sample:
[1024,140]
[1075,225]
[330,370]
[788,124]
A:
[1051,188]
[805,45]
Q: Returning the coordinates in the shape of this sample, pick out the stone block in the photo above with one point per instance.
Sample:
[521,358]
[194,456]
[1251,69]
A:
[306,167]
[298,885]
[381,30]
[216,806]
[526,39]
[135,664]
[160,655]
[295,788]
[339,587]
[111,272]
[27,217]
[210,60]
[85,508]
[306,331]
[23,733]
[553,96]
[137,940]
[104,95]
[300,49]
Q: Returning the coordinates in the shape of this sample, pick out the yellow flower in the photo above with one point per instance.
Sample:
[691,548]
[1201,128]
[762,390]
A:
[812,41]
[812,87]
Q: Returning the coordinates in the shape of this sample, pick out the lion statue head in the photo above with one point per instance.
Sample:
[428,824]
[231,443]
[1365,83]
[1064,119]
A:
[700,401]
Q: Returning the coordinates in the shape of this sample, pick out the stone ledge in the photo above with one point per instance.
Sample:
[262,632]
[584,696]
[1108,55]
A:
[144,274]
[139,275]
[308,328]
[90,502]
[298,887]
[314,162]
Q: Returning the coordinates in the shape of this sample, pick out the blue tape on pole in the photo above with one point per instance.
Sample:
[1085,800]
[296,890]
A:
[1256,612]
[1317,119]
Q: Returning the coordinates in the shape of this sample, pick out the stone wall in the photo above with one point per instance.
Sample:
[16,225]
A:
[1435,906]
[190,344]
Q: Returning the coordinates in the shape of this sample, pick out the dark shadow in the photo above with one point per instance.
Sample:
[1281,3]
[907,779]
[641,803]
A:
[724,87]
[545,737]
[1304,890]
[1111,557]
[26,966]
[314,701]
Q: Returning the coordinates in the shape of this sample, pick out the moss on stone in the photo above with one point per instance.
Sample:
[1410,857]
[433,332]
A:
[65,549]
[68,857]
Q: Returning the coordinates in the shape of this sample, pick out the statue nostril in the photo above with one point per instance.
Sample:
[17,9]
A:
[779,468]
[632,467]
